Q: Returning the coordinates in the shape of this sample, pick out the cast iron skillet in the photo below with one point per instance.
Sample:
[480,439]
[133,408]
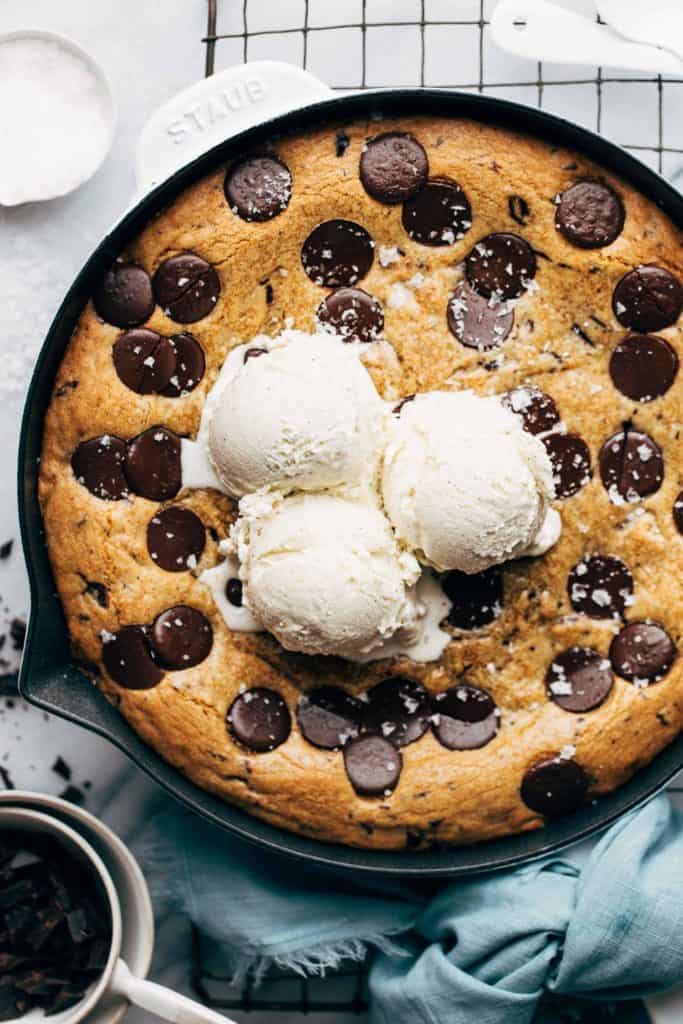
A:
[52,680]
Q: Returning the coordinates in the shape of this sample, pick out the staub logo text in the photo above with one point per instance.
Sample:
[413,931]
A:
[219,105]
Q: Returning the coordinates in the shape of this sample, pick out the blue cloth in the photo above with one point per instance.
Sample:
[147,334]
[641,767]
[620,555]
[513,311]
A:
[486,949]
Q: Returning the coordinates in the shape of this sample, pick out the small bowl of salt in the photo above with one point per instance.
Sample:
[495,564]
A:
[57,115]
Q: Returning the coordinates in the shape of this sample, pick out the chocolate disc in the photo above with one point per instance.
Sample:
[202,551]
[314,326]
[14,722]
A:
[189,368]
[478,322]
[439,214]
[579,679]
[397,709]
[554,787]
[124,298]
[258,188]
[538,410]
[642,652]
[393,167]
[477,599]
[181,637]
[175,539]
[631,465]
[353,314]
[590,215]
[186,287]
[127,658]
[501,264]
[153,464]
[144,360]
[643,367]
[98,464]
[648,298]
[337,253]
[464,718]
[233,591]
[259,719]
[571,462]
[373,765]
[678,512]
[600,586]
[329,717]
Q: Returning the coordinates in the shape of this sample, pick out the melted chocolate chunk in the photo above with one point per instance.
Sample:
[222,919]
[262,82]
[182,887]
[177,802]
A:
[175,539]
[478,322]
[538,410]
[643,367]
[648,298]
[631,465]
[98,464]
[678,512]
[144,360]
[189,367]
[554,787]
[590,215]
[124,298]
[501,264]
[373,765]
[353,314]
[600,586]
[477,599]
[233,591]
[393,167]
[329,717]
[571,462]
[127,657]
[642,652]
[464,717]
[438,214]
[259,719]
[258,188]
[397,709]
[181,637]
[153,464]
[579,679]
[337,253]
[186,287]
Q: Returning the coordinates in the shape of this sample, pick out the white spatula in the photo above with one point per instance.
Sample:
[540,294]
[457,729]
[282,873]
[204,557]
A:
[659,22]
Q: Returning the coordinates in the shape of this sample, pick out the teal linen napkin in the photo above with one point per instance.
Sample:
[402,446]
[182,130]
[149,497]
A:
[486,949]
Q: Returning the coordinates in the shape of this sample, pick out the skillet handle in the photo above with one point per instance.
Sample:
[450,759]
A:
[215,108]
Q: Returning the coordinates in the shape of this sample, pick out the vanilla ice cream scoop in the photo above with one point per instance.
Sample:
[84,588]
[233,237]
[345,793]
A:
[324,574]
[464,485]
[301,413]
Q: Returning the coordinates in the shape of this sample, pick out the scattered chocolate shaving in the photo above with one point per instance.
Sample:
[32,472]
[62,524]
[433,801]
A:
[61,768]
[73,794]
[6,549]
[65,388]
[5,777]
[269,293]
[17,632]
[341,143]
[579,331]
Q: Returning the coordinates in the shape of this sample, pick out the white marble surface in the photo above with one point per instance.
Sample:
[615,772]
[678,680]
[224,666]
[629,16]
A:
[150,50]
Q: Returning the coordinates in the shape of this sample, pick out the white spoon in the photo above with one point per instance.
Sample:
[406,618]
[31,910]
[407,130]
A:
[541,30]
[659,22]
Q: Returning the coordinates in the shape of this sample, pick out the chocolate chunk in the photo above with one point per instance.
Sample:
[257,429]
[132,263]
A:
[464,717]
[643,367]
[144,360]
[571,463]
[642,652]
[439,214]
[353,314]
[678,512]
[152,465]
[590,215]
[61,768]
[337,253]
[233,592]
[259,719]
[579,679]
[600,586]
[538,410]
[477,599]
[373,765]
[186,287]
[98,464]
[181,637]
[175,539]
[189,366]
[393,167]
[501,264]
[98,592]
[258,188]
[397,709]
[631,465]
[329,717]
[124,297]
[554,787]
[127,657]
[648,298]
[478,322]
[518,209]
